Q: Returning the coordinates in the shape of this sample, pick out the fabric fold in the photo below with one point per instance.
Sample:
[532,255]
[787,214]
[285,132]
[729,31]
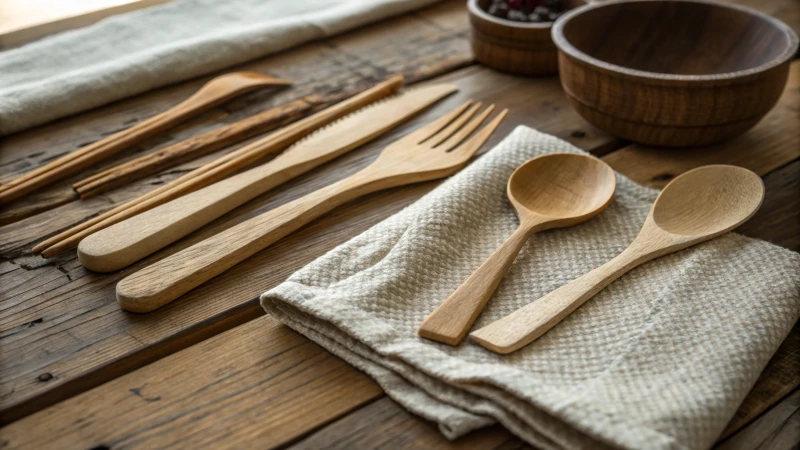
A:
[131,53]
[661,358]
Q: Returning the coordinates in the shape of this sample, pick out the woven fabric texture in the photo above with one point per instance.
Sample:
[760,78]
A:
[661,358]
[128,54]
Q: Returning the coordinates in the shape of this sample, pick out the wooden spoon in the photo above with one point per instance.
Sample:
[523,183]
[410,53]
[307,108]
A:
[216,91]
[699,205]
[550,191]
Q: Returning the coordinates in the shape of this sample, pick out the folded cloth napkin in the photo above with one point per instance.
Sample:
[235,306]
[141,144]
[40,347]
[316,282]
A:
[131,53]
[661,358]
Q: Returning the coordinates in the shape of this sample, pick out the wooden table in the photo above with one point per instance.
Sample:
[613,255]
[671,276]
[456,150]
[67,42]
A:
[211,369]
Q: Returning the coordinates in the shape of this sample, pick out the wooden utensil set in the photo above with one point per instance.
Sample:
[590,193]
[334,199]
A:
[551,191]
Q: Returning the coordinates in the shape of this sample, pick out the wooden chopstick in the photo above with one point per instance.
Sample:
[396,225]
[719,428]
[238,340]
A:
[218,169]
[211,94]
[195,147]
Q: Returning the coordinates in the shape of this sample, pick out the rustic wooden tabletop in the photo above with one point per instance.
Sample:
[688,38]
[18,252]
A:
[211,369]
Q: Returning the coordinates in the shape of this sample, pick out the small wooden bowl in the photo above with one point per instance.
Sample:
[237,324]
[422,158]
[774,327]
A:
[673,73]
[514,47]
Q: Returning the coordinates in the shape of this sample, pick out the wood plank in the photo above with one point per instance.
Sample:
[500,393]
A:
[83,330]
[778,429]
[384,423]
[260,383]
[326,67]
[777,220]
[411,430]
[70,308]
[773,143]
[210,362]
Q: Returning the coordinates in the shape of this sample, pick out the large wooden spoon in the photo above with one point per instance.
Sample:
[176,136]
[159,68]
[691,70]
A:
[695,207]
[550,191]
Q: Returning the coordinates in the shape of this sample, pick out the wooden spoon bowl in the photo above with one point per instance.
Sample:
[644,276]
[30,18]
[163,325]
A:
[730,195]
[562,188]
[549,191]
[697,206]
[673,72]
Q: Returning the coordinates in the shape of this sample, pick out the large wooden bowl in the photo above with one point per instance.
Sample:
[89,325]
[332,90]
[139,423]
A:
[672,73]
[514,47]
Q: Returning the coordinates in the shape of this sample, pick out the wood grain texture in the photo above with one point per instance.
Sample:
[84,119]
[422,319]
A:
[216,91]
[384,423]
[549,191]
[773,143]
[195,147]
[777,220]
[721,73]
[83,329]
[67,324]
[778,429]
[218,168]
[326,68]
[260,383]
[695,207]
[128,241]
[434,151]
[237,357]
[513,47]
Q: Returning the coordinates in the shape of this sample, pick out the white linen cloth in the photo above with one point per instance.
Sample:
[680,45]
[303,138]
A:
[661,358]
[134,52]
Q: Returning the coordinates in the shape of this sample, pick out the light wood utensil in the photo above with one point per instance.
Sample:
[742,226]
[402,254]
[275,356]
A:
[549,191]
[214,92]
[128,241]
[193,147]
[699,205]
[434,151]
[218,168]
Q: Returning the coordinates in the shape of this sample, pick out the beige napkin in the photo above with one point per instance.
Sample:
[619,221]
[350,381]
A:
[131,53]
[661,358]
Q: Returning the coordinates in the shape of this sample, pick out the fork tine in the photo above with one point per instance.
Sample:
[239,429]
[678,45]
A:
[454,126]
[432,128]
[468,148]
[464,132]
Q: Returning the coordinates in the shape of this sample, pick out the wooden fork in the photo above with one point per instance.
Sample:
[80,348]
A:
[434,151]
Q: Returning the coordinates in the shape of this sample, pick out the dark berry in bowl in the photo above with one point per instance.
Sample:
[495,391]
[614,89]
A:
[526,10]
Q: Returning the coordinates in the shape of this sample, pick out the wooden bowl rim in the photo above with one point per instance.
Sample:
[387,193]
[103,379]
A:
[565,46]
[475,9]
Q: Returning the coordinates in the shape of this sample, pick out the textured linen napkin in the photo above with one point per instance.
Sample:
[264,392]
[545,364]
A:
[661,358]
[132,53]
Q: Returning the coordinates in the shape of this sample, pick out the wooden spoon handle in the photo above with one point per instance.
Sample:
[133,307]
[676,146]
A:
[164,281]
[452,319]
[526,324]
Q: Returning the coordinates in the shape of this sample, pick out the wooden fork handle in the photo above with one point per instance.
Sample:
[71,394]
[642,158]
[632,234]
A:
[166,280]
[528,323]
[452,319]
[130,240]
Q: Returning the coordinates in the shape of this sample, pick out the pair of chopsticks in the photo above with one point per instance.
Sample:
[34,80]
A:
[217,169]
[200,145]
[216,91]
